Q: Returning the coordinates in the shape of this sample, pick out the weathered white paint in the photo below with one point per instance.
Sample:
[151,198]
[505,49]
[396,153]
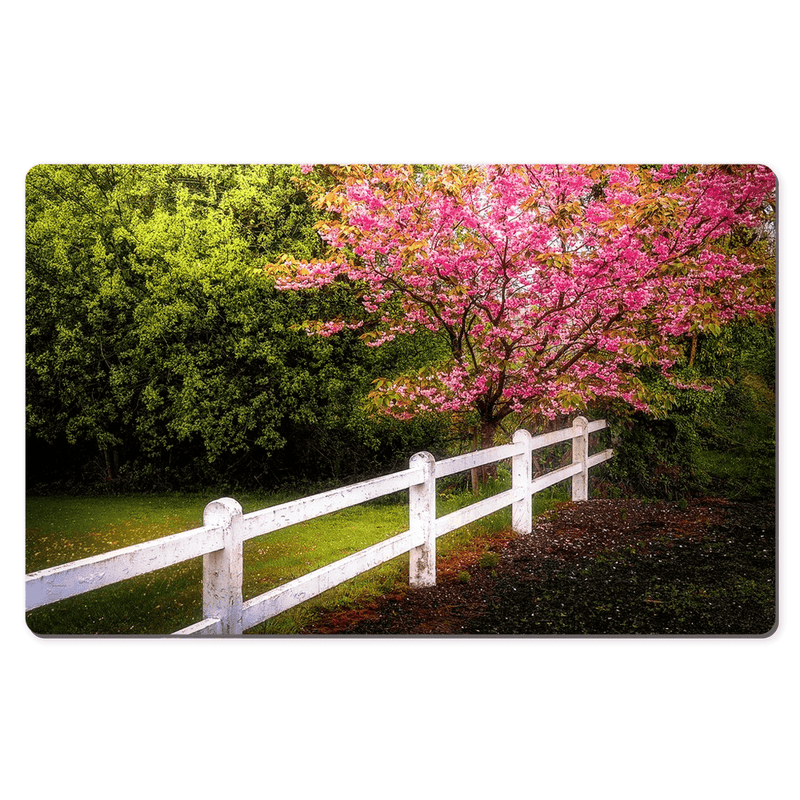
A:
[223,569]
[556,476]
[580,451]
[599,458]
[291,594]
[58,583]
[476,511]
[522,509]
[422,522]
[554,437]
[267,520]
[206,627]
[225,528]
[597,425]
[476,458]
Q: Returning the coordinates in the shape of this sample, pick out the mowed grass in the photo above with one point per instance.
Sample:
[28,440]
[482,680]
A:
[61,529]
[64,528]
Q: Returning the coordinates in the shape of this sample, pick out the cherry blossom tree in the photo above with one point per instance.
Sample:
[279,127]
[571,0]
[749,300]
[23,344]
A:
[552,286]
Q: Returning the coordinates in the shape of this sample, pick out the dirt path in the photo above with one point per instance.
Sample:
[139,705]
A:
[615,566]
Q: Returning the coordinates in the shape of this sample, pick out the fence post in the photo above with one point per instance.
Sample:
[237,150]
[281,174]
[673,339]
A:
[521,471]
[222,569]
[422,519]
[580,452]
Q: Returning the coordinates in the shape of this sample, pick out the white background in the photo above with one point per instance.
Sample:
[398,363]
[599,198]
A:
[413,82]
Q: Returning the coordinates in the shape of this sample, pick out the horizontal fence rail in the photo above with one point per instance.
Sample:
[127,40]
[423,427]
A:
[225,528]
[274,518]
[291,594]
[59,583]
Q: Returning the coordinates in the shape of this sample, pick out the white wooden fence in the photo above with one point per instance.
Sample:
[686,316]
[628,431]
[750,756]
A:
[225,528]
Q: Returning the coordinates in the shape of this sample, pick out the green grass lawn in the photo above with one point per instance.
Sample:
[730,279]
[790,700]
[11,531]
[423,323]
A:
[63,529]
[60,529]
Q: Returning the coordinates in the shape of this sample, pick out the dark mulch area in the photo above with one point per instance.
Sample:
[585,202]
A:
[604,567]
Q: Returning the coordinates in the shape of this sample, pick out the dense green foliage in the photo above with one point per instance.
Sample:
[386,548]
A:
[720,442]
[159,357]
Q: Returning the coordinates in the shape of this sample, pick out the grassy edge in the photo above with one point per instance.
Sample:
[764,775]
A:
[137,607]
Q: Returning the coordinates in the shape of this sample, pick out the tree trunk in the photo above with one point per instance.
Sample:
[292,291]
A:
[693,352]
[483,439]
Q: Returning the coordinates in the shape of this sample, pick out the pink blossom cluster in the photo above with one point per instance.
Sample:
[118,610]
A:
[552,284]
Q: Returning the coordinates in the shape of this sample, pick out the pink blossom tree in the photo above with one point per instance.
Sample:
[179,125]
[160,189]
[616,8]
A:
[553,286]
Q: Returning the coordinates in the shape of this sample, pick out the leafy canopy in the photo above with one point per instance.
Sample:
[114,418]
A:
[154,341]
[553,286]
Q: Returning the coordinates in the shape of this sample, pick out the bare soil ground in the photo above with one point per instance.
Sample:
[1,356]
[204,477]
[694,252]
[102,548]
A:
[603,567]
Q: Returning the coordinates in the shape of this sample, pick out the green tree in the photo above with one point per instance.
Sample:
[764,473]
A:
[156,349]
